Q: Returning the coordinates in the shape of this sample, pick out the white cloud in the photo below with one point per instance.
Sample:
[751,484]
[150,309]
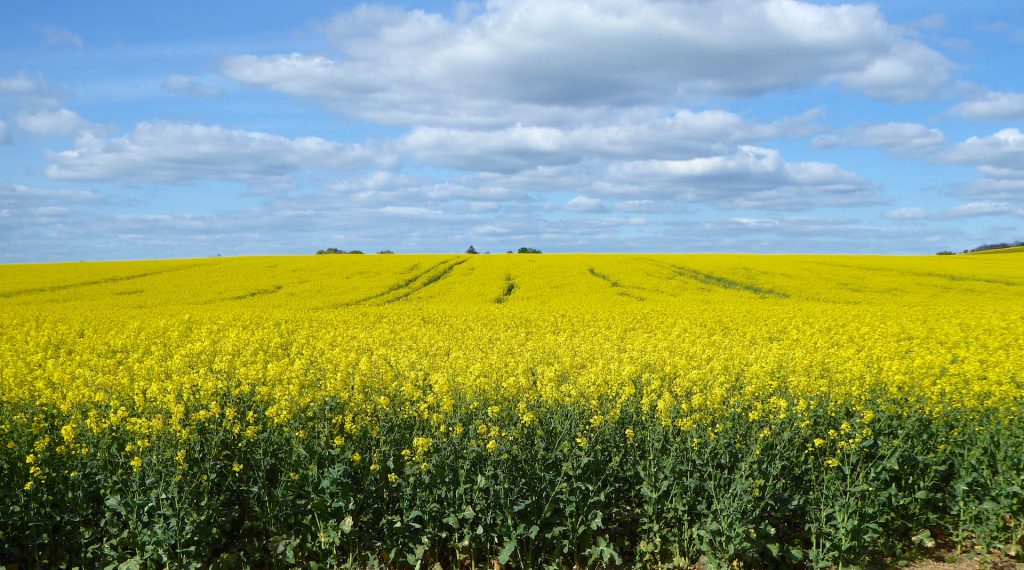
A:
[898,139]
[910,71]
[992,106]
[177,153]
[585,204]
[998,156]
[516,59]
[5,134]
[22,85]
[752,177]
[984,208]
[58,36]
[906,214]
[640,133]
[411,211]
[19,195]
[59,123]
[30,210]
[188,86]
[795,234]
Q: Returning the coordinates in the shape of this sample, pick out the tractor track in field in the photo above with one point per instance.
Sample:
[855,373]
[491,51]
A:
[718,281]
[947,276]
[510,287]
[404,284]
[725,283]
[427,282]
[410,286]
[257,293]
[92,282]
[623,290]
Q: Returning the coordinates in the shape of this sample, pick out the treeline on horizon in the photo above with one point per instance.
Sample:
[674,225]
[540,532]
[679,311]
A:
[985,247]
[470,250]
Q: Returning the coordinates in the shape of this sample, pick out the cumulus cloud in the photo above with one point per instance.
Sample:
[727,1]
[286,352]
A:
[640,133]
[998,156]
[514,59]
[177,153]
[59,123]
[752,177]
[585,205]
[187,86]
[898,139]
[992,106]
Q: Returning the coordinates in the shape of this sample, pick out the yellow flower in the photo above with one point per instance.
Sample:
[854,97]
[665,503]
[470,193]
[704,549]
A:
[237,467]
[393,478]
[492,446]
[136,463]
[356,458]
[422,445]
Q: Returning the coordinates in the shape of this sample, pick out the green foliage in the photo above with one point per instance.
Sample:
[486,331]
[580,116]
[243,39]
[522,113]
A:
[334,251]
[633,491]
[528,250]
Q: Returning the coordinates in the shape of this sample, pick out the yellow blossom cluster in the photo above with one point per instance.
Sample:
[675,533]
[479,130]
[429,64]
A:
[161,352]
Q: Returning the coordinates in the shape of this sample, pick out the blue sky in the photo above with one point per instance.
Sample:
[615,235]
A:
[193,129]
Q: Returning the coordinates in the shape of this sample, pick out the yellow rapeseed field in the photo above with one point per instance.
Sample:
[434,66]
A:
[531,410]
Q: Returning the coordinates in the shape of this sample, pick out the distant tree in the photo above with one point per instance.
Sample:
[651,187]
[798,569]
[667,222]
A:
[528,250]
[945,252]
[472,250]
[334,250]
[509,251]
[989,246]
[384,252]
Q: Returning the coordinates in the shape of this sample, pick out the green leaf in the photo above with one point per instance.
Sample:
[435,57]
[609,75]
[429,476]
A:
[130,564]
[346,525]
[507,551]
[114,504]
